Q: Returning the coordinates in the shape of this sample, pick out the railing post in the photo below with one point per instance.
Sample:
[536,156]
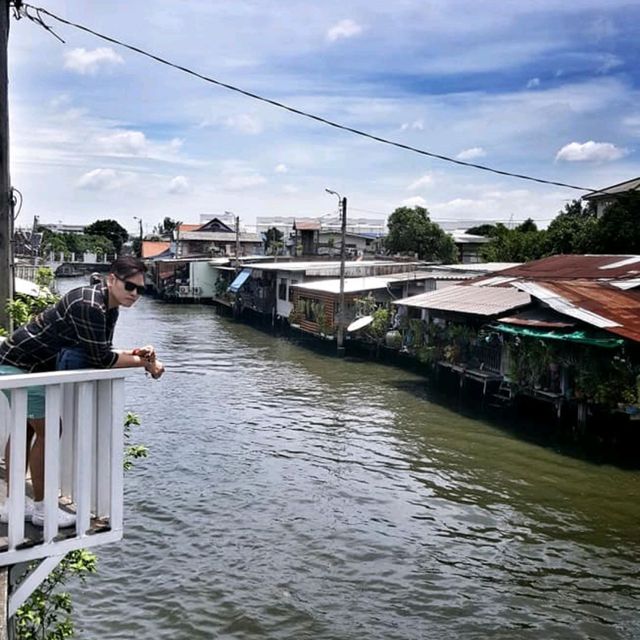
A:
[117,438]
[83,458]
[18,462]
[103,449]
[52,460]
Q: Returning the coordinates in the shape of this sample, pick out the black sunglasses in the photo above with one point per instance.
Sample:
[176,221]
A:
[130,286]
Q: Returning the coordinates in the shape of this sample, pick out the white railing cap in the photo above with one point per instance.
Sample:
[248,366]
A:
[61,377]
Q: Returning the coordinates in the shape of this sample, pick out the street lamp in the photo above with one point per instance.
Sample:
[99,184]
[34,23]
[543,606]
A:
[342,207]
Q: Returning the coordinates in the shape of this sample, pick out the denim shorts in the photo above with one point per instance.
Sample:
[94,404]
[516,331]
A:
[35,395]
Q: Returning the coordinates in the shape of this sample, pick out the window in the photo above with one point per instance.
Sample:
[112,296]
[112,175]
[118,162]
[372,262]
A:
[282,290]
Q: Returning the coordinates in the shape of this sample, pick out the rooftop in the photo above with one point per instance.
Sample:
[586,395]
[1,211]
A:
[480,301]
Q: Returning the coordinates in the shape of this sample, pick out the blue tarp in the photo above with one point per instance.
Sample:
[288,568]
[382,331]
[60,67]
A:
[239,280]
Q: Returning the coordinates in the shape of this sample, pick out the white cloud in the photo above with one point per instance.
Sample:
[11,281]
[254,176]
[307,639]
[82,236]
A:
[472,153]
[423,181]
[179,185]
[533,83]
[290,189]
[105,180]
[417,125]
[415,201]
[85,61]
[248,181]
[126,143]
[343,29]
[244,123]
[590,152]
[281,168]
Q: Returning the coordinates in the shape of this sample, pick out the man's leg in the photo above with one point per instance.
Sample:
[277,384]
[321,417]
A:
[36,459]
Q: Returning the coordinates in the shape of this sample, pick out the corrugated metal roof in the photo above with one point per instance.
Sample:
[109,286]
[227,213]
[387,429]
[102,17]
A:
[332,268]
[351,285]
[631,283]
[477,267]
[596,303]
[549,294]
[592,267]
[622,187]
[480,301]
[492,281]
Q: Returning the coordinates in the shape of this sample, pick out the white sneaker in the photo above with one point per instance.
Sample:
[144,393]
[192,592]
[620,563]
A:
[65,519]
[29,506]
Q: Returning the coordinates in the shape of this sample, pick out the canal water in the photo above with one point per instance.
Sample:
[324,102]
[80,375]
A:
[292,495]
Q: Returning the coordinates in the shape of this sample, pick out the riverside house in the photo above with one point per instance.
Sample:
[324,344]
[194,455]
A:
[564,330]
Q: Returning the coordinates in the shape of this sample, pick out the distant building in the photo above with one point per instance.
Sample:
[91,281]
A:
[59,227]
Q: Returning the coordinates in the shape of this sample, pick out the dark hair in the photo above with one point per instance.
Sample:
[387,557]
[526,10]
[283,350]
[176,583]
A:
[95,278]
[127,266]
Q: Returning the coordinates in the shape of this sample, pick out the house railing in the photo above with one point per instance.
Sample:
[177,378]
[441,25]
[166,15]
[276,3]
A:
[83,466]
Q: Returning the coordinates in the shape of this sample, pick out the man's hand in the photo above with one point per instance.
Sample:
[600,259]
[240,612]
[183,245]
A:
[155,368]
[148,353]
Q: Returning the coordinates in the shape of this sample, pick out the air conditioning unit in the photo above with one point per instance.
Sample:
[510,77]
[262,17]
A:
[183,290]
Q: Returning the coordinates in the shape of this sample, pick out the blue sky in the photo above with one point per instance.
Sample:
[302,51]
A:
[550,90]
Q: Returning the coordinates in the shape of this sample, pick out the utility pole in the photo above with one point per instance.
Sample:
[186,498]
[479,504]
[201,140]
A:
[237,242]
[343,256]
[6,210]
[342,208]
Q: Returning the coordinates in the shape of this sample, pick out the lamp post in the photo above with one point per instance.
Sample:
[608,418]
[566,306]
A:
[342,207]
[141,234]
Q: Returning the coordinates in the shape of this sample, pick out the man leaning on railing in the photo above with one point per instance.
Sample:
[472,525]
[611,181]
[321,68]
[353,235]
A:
[75,333]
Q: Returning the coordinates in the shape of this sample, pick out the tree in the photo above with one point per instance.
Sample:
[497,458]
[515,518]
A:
[109,229]
[527,226]
[617,231]
[488,230]
[273,240]
[167,226]
[572,230]
[411,231]
[515,245]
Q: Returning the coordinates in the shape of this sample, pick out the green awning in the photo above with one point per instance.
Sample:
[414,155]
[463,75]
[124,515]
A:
[574,336]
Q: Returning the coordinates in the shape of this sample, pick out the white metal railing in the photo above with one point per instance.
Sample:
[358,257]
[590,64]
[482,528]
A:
[83,465]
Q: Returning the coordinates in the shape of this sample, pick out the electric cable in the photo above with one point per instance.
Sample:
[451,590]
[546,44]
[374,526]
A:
[39,11]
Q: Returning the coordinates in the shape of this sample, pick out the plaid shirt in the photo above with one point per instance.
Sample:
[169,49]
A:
[81,318]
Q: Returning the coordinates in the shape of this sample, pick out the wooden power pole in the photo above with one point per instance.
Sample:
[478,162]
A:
[6,210]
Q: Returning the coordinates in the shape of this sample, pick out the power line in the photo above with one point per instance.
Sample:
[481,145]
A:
[38,20]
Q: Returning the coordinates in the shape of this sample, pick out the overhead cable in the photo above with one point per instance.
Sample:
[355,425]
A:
[38,20]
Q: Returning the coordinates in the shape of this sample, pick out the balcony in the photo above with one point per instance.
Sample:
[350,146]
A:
[83,466]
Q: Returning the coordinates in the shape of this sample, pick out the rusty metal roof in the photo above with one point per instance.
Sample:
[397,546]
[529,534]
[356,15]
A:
[591,267]
[479,301]
[539,317]
[597,303]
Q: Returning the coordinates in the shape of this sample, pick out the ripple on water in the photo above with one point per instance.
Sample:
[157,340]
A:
[292,495]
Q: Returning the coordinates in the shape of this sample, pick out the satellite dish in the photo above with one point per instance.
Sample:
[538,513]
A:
[360,323]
